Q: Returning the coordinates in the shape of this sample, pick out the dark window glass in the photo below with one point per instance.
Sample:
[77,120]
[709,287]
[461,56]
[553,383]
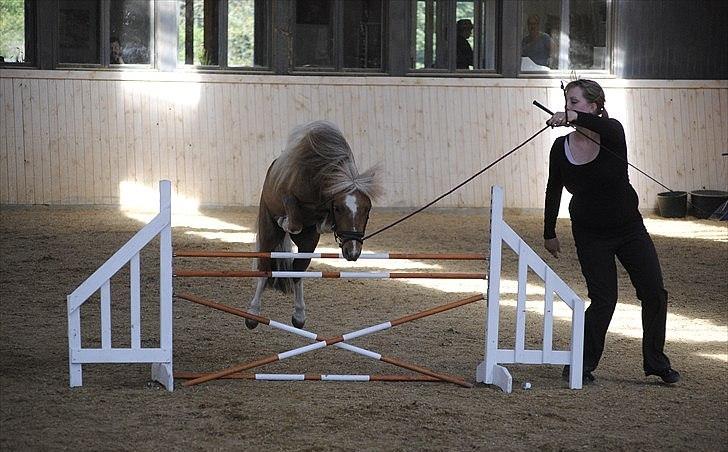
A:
[362,35]
[428,20]
[198,32]
[313,33]
[131,31]
[78,31]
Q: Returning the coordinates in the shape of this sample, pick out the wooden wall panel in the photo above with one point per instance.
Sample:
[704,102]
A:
[75,137]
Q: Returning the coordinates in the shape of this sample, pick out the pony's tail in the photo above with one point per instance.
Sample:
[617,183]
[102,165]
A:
[285,285]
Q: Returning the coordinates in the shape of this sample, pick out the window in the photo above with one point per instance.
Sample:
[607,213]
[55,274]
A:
[78,31]
[564,35]
[454,36]
[198,32]
[247,33]
[338,35]
[131,32]
[16,31]
[223,33]
[127,39]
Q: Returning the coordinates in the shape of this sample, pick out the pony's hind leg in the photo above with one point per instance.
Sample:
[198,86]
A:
[268,238]
[254,307]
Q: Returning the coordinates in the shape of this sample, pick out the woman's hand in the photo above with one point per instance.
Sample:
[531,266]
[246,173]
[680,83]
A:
[553,246]
[561,118]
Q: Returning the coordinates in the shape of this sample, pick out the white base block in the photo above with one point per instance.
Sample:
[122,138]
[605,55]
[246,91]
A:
[162,372]
[480,373]
[502,378]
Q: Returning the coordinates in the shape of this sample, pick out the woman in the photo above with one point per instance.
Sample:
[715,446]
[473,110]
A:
[605,223]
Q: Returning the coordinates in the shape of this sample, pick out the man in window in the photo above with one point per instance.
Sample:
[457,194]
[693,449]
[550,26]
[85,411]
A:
[537,45]
[464,51]
[116,52]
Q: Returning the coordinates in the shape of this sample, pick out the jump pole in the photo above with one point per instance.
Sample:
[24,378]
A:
[312,377]
[325,275]
[335,340]
[291,255]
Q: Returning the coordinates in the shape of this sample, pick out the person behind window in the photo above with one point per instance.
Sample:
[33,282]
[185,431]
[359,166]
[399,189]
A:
[537,45]
[464,51]
[606,224]
[116,54]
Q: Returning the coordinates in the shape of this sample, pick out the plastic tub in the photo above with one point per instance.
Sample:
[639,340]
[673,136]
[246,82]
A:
[672,204]
[705,202]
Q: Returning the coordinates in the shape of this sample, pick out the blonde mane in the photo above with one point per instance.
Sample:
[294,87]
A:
[318,155]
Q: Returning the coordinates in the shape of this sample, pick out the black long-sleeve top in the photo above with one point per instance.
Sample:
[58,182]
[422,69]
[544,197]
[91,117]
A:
[602,197]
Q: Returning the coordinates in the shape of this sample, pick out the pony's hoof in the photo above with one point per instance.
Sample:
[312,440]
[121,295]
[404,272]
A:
[296,323]
[251,323]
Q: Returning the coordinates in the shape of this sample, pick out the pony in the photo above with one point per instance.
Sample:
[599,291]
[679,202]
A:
[312,188]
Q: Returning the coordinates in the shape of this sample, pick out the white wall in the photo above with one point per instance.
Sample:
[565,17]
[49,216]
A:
[72,137]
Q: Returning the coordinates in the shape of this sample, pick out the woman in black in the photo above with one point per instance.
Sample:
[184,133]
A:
[606,223]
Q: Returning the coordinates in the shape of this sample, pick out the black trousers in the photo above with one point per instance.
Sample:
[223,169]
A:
[636,252]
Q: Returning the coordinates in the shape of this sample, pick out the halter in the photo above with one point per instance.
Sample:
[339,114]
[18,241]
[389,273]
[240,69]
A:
[342,237]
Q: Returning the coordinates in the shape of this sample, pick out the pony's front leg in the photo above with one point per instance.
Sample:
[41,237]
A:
[291,222]
[254,307]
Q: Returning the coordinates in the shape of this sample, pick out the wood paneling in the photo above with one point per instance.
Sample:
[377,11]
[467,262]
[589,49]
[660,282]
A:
[74,137]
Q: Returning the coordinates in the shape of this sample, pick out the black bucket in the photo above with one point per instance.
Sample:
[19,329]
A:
[705,202]
[672,204]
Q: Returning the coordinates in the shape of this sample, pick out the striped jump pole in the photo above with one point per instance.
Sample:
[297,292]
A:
[290,255]
[325,275]
[335,340]
[312,377]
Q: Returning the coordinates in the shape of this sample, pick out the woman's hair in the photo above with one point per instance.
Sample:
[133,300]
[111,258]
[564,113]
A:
[592,93]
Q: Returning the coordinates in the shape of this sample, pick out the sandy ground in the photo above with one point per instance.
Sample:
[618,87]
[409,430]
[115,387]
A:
[47,252]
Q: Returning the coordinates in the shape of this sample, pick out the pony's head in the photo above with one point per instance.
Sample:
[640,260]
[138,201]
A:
[318,159]
[351,202]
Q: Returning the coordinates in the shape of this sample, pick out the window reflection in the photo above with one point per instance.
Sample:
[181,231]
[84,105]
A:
[564,35]
[130,28]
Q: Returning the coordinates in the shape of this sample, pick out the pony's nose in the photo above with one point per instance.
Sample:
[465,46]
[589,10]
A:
[351,250]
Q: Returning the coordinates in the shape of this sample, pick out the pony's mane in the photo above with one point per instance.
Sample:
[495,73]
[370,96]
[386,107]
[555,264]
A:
[318,152]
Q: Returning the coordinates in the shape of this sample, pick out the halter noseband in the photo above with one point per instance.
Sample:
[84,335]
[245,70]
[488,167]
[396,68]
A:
[345,236]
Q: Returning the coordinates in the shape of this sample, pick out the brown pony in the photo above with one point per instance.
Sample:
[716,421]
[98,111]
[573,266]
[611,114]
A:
[314,187]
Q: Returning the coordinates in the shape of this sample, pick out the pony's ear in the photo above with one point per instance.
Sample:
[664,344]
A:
[370,182]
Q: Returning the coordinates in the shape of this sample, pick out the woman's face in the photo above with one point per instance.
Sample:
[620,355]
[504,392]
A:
[575,101]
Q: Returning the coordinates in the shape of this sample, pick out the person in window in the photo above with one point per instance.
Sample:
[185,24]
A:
[116,54]
[464,51]
[537,45]
[605,223]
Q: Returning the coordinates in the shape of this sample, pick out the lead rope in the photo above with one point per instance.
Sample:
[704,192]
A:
[456,187]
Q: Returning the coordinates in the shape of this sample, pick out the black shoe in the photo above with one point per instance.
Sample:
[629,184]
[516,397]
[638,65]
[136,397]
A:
[668,375]
[586,376]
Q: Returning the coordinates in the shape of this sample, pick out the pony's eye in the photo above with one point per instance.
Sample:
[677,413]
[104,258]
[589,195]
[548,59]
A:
[337,209]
